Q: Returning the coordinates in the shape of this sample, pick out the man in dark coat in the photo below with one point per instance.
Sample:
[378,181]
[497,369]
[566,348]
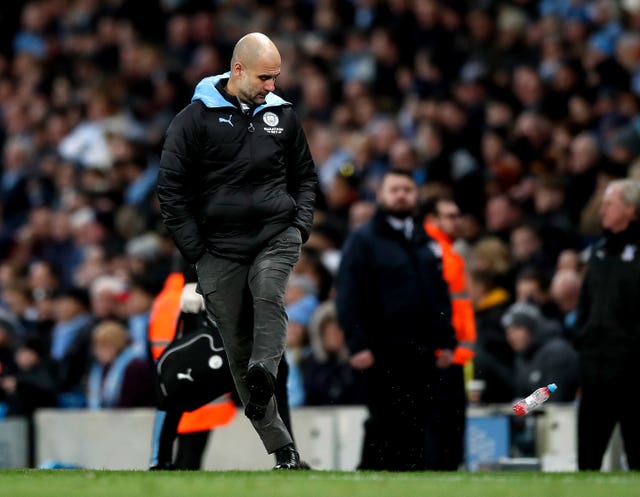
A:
[236,187]
[70,350]
[542,354]
[608,339]
[394,308]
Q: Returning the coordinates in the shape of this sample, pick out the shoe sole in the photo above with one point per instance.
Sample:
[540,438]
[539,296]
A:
[301,466]
[260,388]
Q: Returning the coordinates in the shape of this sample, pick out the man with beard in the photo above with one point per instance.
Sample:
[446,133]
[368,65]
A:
[394,307]
[608,337]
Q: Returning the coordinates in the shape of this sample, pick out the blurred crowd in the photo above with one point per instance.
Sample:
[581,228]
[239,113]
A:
[521,110]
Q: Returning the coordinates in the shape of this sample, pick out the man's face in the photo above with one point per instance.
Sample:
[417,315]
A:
[524,243]
[528,290]
[448,218]
[614,213]
[257,79]
[398,195]
[518,337]
[499,214]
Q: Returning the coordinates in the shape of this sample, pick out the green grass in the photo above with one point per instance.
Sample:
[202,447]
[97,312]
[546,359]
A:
[83,483]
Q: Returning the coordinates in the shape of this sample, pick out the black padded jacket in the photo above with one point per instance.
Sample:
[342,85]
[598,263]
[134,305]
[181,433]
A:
[230,181]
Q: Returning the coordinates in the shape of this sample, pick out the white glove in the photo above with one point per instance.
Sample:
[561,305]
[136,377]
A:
[191,301]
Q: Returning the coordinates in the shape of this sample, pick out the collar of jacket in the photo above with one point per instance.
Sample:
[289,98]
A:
[615,242]
[437,234]
[208,94]
[382,225]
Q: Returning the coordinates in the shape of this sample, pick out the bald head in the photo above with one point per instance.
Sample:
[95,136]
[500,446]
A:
[255,65]
[253,47]
[565,289]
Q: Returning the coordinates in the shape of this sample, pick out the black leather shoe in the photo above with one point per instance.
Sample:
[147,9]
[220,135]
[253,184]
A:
[167,466]
[287,457]
[261,386]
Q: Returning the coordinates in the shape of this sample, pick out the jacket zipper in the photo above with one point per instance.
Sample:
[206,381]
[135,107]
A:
[251,129]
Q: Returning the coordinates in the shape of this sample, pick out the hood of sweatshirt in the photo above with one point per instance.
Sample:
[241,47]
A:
[208,94]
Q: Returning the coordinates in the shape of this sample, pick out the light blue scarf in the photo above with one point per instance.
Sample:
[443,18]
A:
[107,394]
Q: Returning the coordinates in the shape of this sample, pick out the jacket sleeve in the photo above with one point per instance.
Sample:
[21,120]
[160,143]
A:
[302,178]
[175,186]
[352,292]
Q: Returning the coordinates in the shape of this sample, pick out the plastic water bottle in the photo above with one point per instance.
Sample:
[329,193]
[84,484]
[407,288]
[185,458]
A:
[540,396]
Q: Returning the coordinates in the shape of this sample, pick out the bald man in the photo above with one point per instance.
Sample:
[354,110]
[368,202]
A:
[236,189]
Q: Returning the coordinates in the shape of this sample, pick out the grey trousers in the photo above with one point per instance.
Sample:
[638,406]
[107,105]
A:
[247,303]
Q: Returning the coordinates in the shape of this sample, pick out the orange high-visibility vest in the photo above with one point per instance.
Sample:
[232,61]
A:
[163,320]
[462,317]
[165,312]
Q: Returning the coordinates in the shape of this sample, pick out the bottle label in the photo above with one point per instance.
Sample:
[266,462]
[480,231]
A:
[531,402]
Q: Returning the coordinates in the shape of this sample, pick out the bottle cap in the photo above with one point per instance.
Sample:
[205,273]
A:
[552,387]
